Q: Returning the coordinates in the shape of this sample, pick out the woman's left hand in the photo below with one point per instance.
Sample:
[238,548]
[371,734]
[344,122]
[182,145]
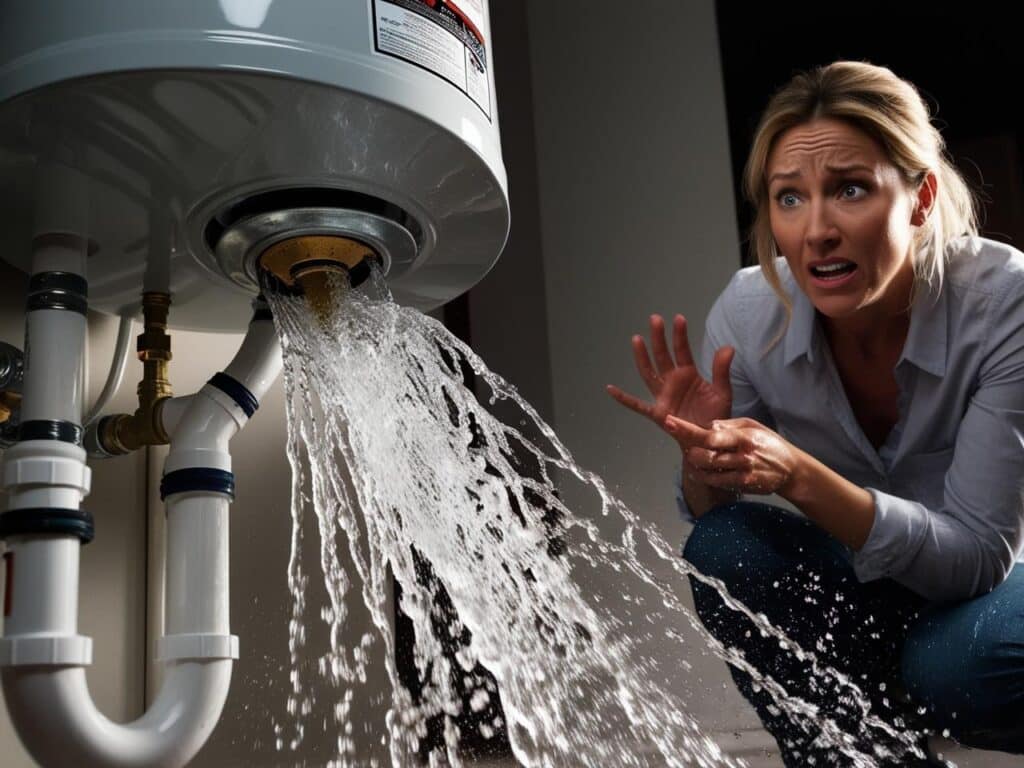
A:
[740,455]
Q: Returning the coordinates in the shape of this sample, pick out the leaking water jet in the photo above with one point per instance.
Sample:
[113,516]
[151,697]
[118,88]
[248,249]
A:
[311,264]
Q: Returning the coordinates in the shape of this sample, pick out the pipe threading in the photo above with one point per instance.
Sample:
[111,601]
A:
[154,348]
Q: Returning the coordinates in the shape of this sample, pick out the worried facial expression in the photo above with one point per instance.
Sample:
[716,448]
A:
[836,198]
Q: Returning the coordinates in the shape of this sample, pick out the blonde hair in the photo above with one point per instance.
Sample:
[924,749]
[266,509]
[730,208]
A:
[891,111]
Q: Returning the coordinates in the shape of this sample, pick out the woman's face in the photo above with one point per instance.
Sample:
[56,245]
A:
[834,195]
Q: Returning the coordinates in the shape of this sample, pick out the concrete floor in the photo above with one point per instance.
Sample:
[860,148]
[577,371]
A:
[758,750]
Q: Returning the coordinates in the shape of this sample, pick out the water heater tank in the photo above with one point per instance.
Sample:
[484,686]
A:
[186,138]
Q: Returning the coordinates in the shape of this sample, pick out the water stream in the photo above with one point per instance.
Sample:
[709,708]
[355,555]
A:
[407,471]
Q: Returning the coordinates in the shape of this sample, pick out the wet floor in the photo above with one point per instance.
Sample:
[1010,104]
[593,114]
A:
[757,753]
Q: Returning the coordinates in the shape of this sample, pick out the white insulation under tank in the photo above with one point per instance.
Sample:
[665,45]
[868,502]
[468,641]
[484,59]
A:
[182,138]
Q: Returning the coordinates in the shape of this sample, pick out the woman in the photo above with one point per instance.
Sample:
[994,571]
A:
[889,410]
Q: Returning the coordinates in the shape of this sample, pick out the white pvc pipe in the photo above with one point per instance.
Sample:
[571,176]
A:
[256,365]
[156,569]
[54,354]
[172,410]
[61,195]
[40,474]
[62,254]
[53,366]
[45,567]
[202,433]
[202,427]
[52,709]
[197,564]
[258,361]
[56,719]
[50,705]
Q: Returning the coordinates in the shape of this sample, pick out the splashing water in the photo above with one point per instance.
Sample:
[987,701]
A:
[408,472]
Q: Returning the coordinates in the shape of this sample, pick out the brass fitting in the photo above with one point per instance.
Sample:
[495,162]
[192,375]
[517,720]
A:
[315,262]
[10,404]
[125,433]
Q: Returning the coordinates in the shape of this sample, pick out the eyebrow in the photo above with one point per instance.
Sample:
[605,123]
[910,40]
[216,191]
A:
[837,170]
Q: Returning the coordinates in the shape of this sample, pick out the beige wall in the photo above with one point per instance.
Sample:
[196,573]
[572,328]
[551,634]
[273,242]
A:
[637,213]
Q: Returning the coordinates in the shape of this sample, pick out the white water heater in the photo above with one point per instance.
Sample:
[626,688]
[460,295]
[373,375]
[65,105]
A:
[172,155]
[184,138]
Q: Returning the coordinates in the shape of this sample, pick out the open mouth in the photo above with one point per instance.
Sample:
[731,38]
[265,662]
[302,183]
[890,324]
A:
[833,272]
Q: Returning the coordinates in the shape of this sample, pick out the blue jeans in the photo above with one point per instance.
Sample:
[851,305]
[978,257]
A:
[962,662]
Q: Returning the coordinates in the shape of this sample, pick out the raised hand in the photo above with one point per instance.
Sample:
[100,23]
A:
[675,384]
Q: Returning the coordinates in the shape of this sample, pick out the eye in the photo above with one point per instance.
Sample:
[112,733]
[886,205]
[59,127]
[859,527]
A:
[787,199]
[852,192]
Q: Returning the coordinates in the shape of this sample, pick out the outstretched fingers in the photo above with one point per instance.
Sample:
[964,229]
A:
[643,364]
[631,402]
[680,342]
[659,345]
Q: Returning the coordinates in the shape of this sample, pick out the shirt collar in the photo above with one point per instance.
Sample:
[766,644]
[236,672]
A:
[925,346]
[926,340]
[800,333]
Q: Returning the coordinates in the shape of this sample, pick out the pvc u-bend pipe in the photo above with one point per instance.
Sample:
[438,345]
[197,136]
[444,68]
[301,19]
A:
[42,656]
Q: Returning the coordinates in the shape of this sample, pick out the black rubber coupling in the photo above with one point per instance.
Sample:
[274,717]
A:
[47,520]
[58,290]
[237,391]
[198,479]
[50,429]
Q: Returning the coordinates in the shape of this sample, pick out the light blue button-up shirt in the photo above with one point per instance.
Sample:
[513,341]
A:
[948,483]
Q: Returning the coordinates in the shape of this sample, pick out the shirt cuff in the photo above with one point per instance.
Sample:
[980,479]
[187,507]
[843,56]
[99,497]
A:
[684,508]
[896,536]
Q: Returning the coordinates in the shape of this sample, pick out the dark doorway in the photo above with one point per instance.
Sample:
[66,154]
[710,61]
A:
[965,61]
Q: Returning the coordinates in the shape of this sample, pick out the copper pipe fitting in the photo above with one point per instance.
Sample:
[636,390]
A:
[125,433]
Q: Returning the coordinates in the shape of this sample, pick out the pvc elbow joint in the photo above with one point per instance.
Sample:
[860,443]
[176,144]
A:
[42,655]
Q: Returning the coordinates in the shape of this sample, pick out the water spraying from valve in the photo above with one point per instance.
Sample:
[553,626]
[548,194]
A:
[312,264]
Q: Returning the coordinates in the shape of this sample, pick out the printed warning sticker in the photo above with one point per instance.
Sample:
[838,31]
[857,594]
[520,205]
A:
[442,36]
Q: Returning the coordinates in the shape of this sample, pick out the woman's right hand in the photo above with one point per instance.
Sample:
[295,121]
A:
[676,386]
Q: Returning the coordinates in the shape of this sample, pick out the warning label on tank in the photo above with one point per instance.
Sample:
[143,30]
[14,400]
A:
[442,36]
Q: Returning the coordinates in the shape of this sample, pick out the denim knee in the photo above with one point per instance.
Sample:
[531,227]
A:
[970,678]
[733,541]
[716,540]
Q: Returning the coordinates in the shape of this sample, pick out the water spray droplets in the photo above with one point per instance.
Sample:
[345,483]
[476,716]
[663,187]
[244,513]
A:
[406,471]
